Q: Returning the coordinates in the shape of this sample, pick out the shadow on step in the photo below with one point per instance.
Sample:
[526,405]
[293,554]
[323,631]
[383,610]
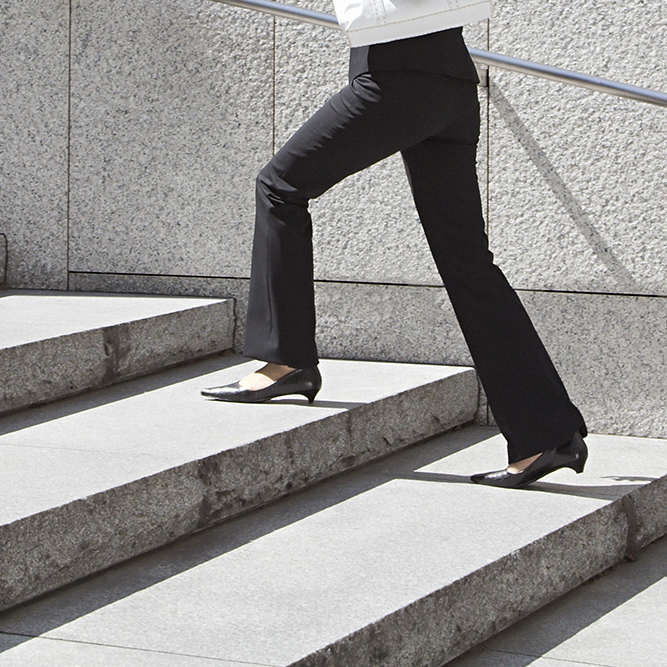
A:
[610,492]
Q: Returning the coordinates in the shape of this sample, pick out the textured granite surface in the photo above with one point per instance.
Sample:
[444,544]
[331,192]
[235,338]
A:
[34,45]
[609,349]
[614,621]
[355,321]
[611,354]
[134,466]
[578,181]
[235,288]
[402,323]
[171,119]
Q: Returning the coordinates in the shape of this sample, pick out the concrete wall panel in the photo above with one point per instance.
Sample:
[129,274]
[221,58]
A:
[172,107]
[609,349]
[611,353]
[578,184]
[388,322]
[34,49]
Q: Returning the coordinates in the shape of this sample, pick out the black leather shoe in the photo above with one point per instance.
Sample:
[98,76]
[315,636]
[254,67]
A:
[305,381]
[572,455]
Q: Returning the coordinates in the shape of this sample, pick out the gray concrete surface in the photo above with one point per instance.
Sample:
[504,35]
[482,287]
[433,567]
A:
[95,479]
[400,562]
[611,353]
[54,344]
[616,620]
[235,288]
[172,107]
[34,46]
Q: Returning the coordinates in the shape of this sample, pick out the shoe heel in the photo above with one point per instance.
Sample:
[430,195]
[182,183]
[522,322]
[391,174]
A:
[310,395]
[578,466]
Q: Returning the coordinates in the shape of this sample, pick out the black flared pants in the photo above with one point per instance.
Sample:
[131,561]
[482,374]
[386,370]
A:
[434,121]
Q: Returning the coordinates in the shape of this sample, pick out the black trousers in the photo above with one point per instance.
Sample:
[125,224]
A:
[434,121]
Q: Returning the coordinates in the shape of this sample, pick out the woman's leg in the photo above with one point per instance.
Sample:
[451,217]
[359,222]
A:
[528,399]
[372,118]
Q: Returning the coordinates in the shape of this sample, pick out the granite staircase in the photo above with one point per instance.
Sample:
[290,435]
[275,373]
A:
[143,525]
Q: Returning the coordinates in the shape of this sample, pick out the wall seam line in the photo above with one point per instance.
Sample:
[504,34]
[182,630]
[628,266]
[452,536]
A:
[69,144]
[360,282]
[273,92]
[488,134]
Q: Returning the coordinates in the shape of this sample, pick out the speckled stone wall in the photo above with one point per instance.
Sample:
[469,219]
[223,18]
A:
[578,200]
[34,37]
[578,177]
[172,106]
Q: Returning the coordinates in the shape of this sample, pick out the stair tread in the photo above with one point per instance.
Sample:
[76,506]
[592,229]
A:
[400,562]
[29,316]
[139,428]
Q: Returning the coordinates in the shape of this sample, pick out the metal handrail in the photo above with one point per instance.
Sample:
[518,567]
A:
[480,57]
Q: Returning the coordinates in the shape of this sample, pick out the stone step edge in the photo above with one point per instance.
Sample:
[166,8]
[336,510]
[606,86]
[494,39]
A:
[448,622]
[56,547]
[53,368]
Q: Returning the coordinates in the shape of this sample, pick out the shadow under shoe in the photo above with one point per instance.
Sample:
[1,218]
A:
[571,455]
[304,381]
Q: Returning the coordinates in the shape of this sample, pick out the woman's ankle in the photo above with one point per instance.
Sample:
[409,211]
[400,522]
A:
[265,376]
[520,466]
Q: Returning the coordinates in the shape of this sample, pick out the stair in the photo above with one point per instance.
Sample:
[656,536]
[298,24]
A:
[399,563]
[143,525]
[55,344]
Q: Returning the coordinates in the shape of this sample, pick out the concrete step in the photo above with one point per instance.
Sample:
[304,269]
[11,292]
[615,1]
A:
[55,344]
[615,620]
[95,479]
[400,563]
